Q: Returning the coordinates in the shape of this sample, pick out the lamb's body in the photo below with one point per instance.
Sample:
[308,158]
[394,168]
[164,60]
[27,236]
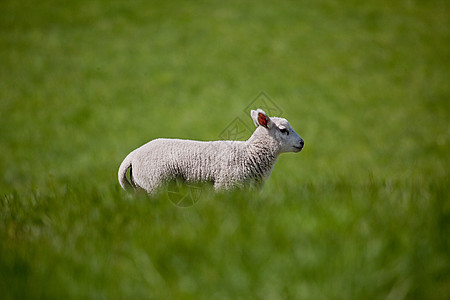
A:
[226,164]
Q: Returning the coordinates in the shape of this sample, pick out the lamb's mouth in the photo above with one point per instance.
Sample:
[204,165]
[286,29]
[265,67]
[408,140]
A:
[298,148]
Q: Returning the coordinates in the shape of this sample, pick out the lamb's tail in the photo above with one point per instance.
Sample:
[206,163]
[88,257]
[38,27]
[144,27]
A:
[123,180]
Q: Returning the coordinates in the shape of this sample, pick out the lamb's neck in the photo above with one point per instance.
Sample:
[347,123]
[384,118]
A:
[263,151]
[261,142]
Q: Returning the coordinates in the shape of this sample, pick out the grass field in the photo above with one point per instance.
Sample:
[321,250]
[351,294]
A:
[363,212]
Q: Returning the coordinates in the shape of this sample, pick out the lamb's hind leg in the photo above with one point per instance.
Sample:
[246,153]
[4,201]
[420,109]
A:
[149,184]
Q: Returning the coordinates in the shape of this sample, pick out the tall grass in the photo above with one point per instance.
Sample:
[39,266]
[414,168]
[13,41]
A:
[329,240]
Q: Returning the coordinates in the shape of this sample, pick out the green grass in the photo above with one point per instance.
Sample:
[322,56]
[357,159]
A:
[329,240]
[361,213]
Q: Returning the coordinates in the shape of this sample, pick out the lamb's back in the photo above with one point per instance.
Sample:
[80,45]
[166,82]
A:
[192,160]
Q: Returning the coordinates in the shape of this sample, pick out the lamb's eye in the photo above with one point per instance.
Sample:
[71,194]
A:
[284,130]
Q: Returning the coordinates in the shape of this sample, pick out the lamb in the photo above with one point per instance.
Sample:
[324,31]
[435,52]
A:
[226,164]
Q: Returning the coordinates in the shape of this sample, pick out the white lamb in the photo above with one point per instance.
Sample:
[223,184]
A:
[226,164]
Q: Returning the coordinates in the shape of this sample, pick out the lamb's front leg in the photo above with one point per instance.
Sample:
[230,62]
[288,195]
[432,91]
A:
[227,184]
[219,185]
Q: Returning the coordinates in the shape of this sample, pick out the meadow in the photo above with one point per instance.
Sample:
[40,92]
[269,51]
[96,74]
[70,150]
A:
[363,212]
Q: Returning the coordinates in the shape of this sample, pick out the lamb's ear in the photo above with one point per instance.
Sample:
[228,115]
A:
[260,118]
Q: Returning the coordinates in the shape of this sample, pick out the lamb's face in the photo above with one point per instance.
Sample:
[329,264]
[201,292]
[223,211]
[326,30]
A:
[279,130]
[282,131]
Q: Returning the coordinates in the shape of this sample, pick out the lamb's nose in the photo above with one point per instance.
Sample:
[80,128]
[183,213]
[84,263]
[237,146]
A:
[302,143]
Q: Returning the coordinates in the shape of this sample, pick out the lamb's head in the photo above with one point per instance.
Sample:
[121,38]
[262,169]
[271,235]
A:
[278,130]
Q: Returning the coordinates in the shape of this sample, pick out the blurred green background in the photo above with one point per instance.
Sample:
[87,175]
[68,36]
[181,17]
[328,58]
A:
[361,213]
